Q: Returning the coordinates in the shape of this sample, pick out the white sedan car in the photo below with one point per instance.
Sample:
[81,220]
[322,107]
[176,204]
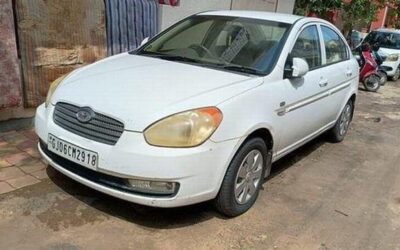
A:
[202,110]
[389,43]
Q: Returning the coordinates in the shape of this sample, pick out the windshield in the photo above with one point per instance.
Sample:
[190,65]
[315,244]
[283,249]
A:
[384,39]
[230,43]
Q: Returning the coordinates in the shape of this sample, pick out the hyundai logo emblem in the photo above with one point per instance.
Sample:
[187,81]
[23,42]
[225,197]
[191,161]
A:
[84,115]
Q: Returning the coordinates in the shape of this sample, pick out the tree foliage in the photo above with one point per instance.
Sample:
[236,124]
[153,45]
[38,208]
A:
[394,14]
[361,11]
[353,11]
[319,7]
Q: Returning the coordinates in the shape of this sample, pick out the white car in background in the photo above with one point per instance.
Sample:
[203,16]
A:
[202,110]
[389,43]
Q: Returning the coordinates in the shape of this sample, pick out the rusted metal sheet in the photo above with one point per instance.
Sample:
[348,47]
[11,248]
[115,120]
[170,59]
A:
[56,37]
[10,76]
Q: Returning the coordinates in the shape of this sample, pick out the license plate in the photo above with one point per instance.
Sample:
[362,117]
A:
[72,152]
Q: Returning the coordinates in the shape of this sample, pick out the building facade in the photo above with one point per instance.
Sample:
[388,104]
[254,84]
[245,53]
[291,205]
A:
[46,39]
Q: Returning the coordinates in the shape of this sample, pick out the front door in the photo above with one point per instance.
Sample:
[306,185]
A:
[304,103]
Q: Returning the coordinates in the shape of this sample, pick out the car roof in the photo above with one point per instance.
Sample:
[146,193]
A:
[388,30]
[263,15]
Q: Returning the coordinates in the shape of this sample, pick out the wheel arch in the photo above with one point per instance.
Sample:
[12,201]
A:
[353,98]
[264,134]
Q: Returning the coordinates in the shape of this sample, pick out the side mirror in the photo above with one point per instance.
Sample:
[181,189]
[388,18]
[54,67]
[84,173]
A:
[144,41]
[295,67]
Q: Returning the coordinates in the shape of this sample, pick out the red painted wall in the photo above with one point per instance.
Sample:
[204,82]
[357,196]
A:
[380,20]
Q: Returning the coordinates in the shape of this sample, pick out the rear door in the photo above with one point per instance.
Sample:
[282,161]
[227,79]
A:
[338,69]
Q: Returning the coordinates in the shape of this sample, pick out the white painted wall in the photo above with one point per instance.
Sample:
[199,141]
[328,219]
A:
[285,6]
[265,5]
[170,15]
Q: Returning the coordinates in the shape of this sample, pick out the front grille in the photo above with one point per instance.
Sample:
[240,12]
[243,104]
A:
[100,128]
[110,181]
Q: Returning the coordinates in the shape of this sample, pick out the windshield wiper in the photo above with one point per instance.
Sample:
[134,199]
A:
[242,69]
[177,58]
[172,57]
[222,64]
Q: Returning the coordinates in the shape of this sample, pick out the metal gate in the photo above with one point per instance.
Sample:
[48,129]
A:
[129,22]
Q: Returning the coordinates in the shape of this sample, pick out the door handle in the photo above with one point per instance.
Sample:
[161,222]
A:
[349,72]
[323,83]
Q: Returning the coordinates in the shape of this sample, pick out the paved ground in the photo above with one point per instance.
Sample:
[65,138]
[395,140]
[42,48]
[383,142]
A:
[20,163]
[323,196]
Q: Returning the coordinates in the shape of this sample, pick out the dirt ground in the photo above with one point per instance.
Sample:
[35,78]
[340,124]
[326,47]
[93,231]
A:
[322,196]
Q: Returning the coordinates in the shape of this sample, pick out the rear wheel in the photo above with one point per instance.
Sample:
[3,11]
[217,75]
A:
[339,131]
[371,83]
[243,179]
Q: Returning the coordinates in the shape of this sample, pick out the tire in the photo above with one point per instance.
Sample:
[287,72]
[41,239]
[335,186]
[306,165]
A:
[339,131]
[230,201]
[383,78]
[396,75]
[371,83]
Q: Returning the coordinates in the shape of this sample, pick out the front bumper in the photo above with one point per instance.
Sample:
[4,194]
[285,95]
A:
[198,170]
[394,65]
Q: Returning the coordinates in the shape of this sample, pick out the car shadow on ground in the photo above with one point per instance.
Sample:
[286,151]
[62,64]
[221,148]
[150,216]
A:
[163,218]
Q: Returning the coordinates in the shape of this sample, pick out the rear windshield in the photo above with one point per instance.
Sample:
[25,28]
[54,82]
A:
[384,39]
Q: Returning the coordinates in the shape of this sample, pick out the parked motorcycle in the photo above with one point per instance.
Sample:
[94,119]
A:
[379,59]
[369,74]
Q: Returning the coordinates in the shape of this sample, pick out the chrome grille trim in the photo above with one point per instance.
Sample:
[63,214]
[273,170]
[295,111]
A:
[101,128]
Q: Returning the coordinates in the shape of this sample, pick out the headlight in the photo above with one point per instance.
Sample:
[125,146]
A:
[186,129]
[392,57]
[53,87]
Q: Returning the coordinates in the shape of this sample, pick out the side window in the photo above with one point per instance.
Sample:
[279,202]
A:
[335,48]
[307,47]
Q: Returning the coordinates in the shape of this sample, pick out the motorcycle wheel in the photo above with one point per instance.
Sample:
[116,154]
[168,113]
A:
[383,78]
[371,83]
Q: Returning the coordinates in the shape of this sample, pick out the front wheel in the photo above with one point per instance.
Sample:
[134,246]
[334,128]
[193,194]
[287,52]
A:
[243,179]
[396,75]
[372,83]
[383,78]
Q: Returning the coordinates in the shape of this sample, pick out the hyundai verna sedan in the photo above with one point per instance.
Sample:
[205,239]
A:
[202,110]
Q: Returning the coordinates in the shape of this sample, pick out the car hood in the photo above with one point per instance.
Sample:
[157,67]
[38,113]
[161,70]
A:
[139,90]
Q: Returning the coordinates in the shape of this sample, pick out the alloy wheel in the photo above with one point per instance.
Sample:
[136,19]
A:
[345,120]
[249,176]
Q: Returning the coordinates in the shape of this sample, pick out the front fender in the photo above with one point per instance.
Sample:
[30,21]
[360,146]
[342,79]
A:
[370,74]
[250,111]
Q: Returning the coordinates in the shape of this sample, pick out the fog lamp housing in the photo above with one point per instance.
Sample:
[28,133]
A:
[153,187]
